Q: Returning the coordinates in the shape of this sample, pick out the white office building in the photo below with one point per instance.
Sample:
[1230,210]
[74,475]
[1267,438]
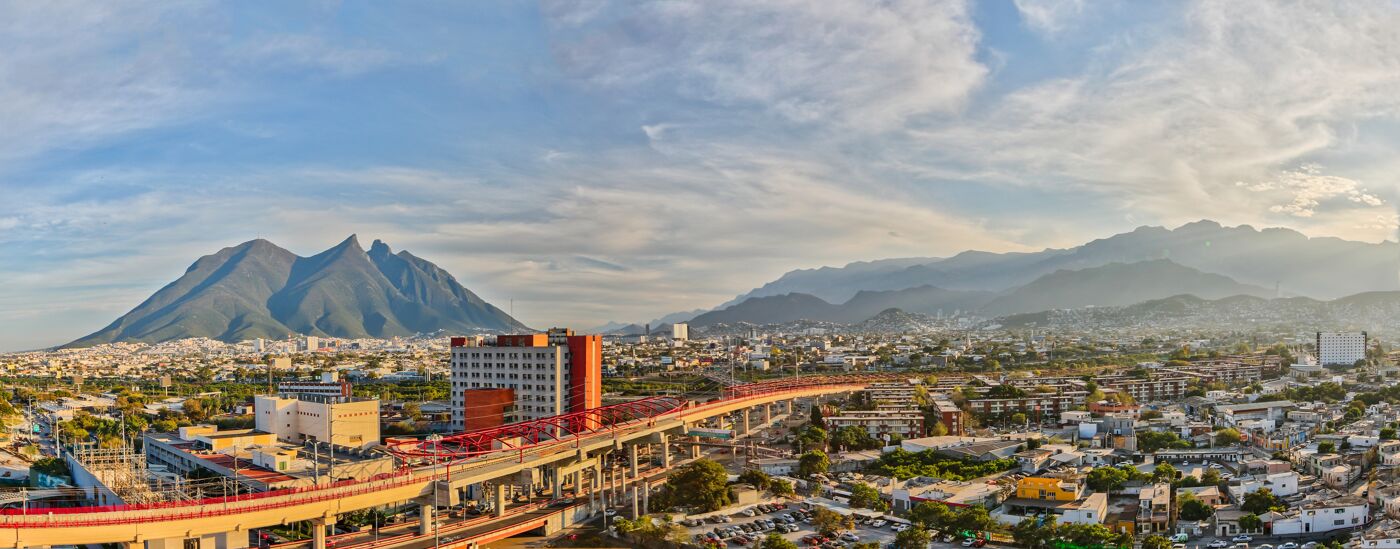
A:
[680,331]
[1340,347]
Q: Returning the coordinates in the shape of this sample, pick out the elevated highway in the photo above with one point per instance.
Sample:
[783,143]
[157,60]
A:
[575,447]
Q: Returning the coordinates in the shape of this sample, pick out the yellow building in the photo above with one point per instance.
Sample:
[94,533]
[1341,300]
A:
[1049,488]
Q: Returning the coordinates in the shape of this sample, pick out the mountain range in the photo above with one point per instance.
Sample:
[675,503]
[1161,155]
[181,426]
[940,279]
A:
[258,289]
[1202,258]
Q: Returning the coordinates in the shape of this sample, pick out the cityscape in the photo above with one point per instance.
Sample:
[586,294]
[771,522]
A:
[917,274]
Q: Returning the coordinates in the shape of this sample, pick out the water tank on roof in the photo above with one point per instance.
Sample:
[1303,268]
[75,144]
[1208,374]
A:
[1088,430]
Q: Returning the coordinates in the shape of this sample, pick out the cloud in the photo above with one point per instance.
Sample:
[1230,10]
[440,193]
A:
[1049,16]
[855,64]
[1167,127]
[1308,188]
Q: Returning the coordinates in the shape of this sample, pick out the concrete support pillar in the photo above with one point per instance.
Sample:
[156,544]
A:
[318,532]
[744,421]
[636,501]
[556,488]
[133,545]
[230,540]
[695,449]
[427,517]
[665,451]
[646,498]
[767,414]
[632,460]
[501,501]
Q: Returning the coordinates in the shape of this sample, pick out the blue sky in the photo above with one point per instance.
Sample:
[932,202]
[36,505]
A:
[601,161]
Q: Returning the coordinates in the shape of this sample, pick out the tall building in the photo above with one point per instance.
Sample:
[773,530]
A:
[312,344]
[680,331]
[1340,347]
[546,374]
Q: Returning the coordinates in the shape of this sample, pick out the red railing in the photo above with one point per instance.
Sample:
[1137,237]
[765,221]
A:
[629,414]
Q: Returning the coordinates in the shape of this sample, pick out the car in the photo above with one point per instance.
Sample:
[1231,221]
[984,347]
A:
[967,542]
[848,536]
[1218,544]
[749,512]
[1288,545]
[1242,538]
[979,543]
[1240,546]
[900,528]
[610,513]
[878,523]
[1179,538]
[1264,546]
[1310,545]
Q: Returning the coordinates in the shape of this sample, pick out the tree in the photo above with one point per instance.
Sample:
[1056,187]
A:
[829,522]
[781,487]
[866,496]
[1262,501]
[1388,433]
[1032,533]
[1164,472]
[1227,437]
[1151,441]
[812,462]
[1156,542]
[1211,477]
[811,438]
[758,479]
[775,540]
[1086,535]
[973,518]
[932,515]
[816,419]
[1251,523]
[1018,418]
[1193,508]
[413,411]
[851,437]
[938,430]
[913,538]
[701,484]
[1107,479]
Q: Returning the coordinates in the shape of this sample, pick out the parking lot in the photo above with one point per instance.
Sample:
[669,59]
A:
[800,531]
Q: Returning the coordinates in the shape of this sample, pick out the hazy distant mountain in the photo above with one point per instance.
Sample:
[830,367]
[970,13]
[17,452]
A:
[1117,284]
[1322,268]
[1110,285]
[257,289]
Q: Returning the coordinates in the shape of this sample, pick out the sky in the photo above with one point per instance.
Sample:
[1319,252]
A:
[591,161]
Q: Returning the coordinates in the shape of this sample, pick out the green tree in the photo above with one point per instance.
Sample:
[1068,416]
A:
[757,479]
[1227,437]
[1192,508]
[1251,523]
[1262,501]
[811,438]
[853,438]
[1018,418]
[812,462]
[973,518]
[1031,533]
[830,523]
[1107,479]
[1151,441]
[932,515]
[816,420]
[781,487]
[1164,472]
[700,484]
[775,540]
[1156,542]
[913,538]
[1388,433]
[1211,477]
[867,497]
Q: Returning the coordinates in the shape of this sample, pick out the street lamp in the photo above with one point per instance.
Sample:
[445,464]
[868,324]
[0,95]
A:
[436,441]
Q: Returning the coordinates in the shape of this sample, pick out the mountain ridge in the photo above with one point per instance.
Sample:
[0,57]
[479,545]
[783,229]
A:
[258,289]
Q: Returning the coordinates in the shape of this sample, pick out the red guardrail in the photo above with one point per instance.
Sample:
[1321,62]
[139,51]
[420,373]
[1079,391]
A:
[38,517]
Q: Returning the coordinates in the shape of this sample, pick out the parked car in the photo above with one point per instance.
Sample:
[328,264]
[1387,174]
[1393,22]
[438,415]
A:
[1310,545]
[849,537]
[967,542]
[878,523]
[1288,545]
[1242,538]
[1218,544]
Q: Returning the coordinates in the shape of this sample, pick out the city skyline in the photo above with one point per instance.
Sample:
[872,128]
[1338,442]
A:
[595,163]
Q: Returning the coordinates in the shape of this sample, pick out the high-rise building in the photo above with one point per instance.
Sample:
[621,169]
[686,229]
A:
[547,374]
[1340,347]
[680,331]
[312,344]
